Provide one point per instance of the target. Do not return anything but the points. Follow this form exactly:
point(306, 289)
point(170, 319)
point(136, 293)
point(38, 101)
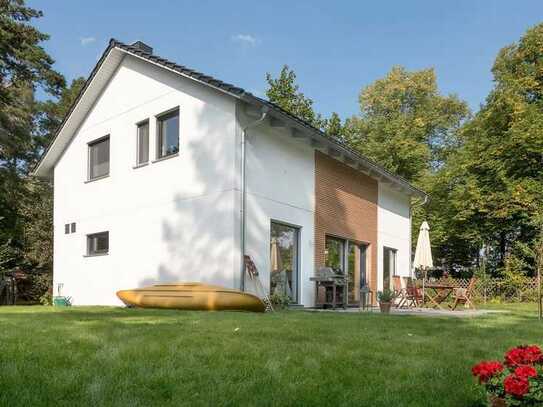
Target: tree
point(285, 93)
point(36, 205)
point(405, 124)
point(24, 67)
point(491, 188)
point(333, 127)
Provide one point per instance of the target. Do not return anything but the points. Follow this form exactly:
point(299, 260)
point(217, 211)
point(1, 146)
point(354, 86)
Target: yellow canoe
point(191, 296)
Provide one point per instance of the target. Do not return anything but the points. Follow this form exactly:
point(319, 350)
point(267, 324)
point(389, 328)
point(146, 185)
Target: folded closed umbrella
point(423, 253)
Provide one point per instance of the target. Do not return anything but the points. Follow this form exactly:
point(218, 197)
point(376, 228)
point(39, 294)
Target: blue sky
point(335, 47)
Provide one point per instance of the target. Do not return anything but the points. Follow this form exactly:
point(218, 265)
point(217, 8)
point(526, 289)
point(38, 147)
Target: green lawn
point(113, 356)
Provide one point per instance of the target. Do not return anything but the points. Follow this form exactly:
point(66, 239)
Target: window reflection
point(284, 261)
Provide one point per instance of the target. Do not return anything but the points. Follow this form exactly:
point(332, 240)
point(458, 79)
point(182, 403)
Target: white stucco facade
point(393, 230)
point(178, 219)
point(172, 220)
point(280, 188)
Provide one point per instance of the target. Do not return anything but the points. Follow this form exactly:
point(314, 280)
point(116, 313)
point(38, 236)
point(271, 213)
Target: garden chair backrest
point(397, 283)
point(471, 286)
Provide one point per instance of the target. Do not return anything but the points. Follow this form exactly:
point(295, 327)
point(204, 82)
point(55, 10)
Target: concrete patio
point(427, 312)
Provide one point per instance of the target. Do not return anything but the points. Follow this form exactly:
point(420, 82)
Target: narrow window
point(73, 227)
point(66, 228)
point(389, 266)
point(98, 243)
point(143, 143)
point(99, 158)
point(168, 134)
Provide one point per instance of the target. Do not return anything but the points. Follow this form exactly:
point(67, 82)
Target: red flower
point(526, 371)
point(523, 355)
point(516, 386)
point(485, 370)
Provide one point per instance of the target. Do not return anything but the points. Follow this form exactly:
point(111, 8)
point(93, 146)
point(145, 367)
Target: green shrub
point(386, 295)
point(280, 300)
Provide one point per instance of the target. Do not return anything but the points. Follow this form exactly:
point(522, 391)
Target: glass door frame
point(297, 256)
point(363, 266)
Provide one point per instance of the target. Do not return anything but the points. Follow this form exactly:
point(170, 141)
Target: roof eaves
point(238, 93)
point(110, 46)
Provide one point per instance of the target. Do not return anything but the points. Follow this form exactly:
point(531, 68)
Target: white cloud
point(246, 39)
point(87, 40)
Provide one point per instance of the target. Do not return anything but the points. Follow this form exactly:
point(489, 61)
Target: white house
point(164, 174)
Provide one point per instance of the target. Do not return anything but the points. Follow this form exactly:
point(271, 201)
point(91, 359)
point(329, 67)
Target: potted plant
point(385, 298)
point(518, 381)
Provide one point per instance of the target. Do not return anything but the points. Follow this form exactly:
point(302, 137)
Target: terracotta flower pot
point(385, 307)
point(496, 401)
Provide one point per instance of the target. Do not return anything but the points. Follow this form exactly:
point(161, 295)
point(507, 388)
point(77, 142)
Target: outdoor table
point(442, 291)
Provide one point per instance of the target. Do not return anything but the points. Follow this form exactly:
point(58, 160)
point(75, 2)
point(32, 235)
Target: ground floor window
point(348, 257)
point(389, 266)
point(98, 243)
point(284, 260)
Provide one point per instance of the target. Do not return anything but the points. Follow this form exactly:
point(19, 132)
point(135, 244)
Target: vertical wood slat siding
point(345, 206)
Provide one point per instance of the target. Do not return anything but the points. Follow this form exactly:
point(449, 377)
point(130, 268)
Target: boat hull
point(191, 296)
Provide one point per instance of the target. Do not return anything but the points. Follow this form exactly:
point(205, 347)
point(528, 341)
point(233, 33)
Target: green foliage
point(279, 300)
point(24, 66)
point(40, 288)
point(334, 128)
point(405, 124)
point(285, 93)
point(387, 295)
point(490, 191)
point(7, 256)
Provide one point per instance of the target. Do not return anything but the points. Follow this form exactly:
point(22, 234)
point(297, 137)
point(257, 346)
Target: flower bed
point(518, 381)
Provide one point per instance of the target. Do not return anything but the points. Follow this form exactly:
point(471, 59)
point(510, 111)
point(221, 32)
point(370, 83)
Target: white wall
point(171, 220)
point(393, 230)
point(281, 187)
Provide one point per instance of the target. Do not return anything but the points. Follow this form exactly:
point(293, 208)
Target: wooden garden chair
point(413, 294)
point(463, 295)
point(399, 292)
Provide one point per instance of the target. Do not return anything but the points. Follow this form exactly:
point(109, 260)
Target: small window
point(168, 134)
point(72, 226)
point(143, 143)
point(66, 228)
point(98, 243)
point(99, 158)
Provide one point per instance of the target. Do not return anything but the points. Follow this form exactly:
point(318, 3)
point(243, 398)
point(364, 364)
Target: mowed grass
point(98, 356)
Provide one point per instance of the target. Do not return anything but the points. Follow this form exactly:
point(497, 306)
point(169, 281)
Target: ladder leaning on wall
point(250, 267)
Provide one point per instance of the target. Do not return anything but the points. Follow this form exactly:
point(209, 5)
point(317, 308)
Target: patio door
point(356, 270)
point(347, 257)
point(284, 260)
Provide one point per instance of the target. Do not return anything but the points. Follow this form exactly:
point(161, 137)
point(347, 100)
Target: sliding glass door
point(284, 261)
point(347, 257)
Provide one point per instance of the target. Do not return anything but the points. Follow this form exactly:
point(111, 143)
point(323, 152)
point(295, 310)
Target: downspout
point(243, 191)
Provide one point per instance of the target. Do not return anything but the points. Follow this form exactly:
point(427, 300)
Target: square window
point(72, 227)
point(98, 243)
point(168, 134)
point(66, 228)
point(142, 143)
point(99, 158)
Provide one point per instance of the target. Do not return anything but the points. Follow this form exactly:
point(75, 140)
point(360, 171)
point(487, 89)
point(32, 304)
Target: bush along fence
point(518, 289)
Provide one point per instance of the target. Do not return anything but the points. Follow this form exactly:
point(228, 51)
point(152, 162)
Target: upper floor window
point(168, 134)
point(99, 158)
point(143, 143)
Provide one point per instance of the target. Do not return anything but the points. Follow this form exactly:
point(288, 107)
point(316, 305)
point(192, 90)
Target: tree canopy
point(490, 191)
point(405, 124)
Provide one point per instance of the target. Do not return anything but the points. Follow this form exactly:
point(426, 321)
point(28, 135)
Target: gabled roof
point(111, 59)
